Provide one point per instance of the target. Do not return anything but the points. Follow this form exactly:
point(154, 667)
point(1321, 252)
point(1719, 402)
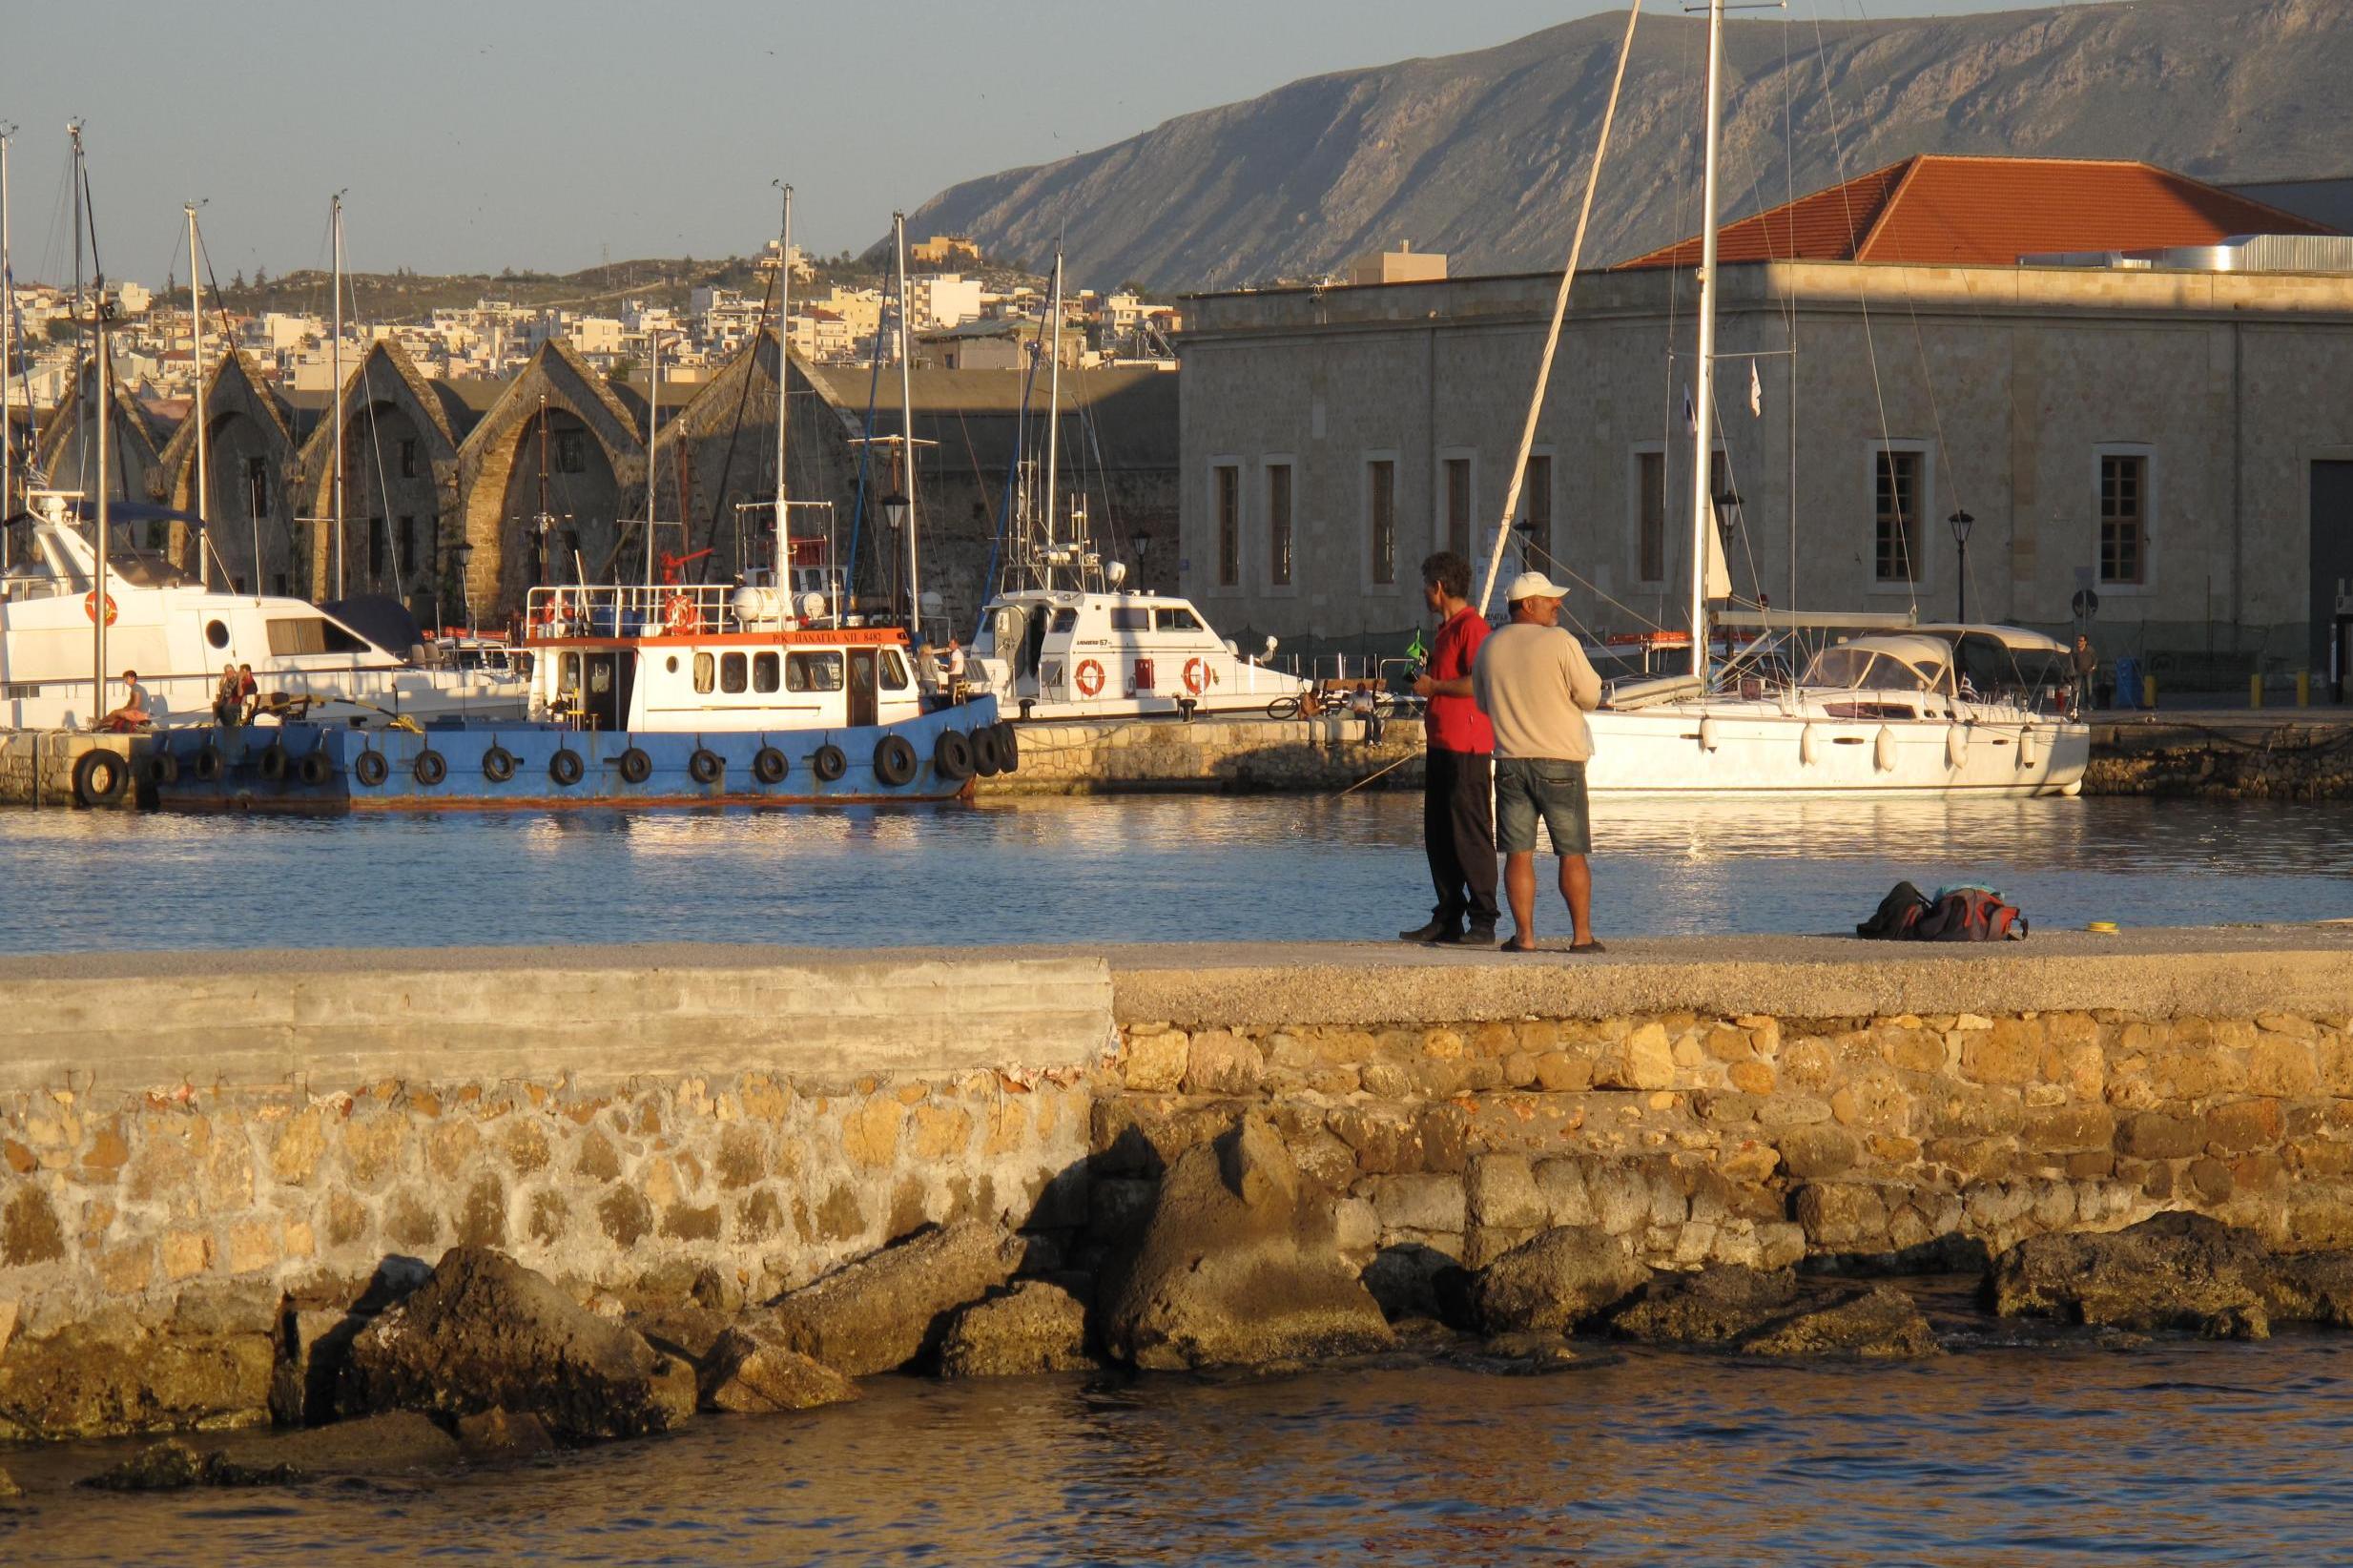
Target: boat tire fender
point(705, 766)
point(158, 766)
point(430, 768)
point(273, 763)
point(987, 761)
point(952, 756)
point(314, 770)
point(211, 764)
point(829, 763)
point(369, 768)
point(636, 766)
point(99, 778)
point(1008, 746)
point(565, 766)
point(498, 764)
point(895, 761)
point(770, 766)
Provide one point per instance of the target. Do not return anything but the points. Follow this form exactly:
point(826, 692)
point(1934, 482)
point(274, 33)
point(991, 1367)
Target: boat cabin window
point(894, 672)
point(1130, 618)
point(765, 668)
point(812, 672)
point(1066, 620)
point(705, 673)
point(298, 634)
point(216, 633)
point(1859, 668)
point(568, 674)
point(1175, 618)
point(600, 677)
point(734, 673)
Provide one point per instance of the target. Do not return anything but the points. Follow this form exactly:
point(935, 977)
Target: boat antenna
point(783, 575)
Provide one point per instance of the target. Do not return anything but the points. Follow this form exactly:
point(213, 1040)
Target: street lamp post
point(1962, 522)
point(462, 556)
point(895, 514)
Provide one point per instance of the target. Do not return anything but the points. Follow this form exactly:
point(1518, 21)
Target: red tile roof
point(1988, 212)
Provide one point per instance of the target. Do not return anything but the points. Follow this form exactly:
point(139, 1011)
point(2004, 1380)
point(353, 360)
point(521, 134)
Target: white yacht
point(179, 636)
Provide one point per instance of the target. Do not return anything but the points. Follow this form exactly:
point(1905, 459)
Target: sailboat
point(1898, 708)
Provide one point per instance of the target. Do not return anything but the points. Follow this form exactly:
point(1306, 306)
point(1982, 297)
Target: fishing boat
point(1064, 637)
point(1813, 702)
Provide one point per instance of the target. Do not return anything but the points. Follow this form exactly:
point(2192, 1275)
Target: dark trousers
point(1458, 830)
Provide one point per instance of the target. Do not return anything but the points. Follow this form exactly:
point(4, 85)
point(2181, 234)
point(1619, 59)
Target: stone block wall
point(36, 766)
point(1244, 753)
point(1759, 1140)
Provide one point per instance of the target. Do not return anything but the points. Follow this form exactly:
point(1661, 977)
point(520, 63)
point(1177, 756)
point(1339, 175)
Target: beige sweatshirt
point(1536, 685)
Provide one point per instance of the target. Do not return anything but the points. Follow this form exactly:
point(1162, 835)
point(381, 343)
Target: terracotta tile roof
point(1988, 212)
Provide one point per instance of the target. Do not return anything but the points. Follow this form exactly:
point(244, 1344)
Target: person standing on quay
point(1535, 683)
point(1457, 820)
point(2086, 663)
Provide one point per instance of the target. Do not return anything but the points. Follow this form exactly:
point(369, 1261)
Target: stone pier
point(193, 1147)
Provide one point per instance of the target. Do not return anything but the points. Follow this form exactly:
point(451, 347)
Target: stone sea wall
point(36, 766)
point(1243, 755)
point(2295, 759)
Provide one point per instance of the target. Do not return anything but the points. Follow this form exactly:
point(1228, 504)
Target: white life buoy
point(1883, 750)
point(1090, 677)
point(679, 616)
point(1196, 675)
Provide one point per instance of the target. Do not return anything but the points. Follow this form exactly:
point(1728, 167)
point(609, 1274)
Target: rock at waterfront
point(1038, 1327)
point(2169, 1271)
point(1528, 1352)
point(889, 1308)
point(750, 1370)
point(484, 1333)
point(398, 1442)
point(110, 1376)
point(1554, 1281)
point(1239, 1265)
point(166, 1466)
point(498, 1437)
point(1706, 1308)
point(1878, 1324)
point(8, 1488)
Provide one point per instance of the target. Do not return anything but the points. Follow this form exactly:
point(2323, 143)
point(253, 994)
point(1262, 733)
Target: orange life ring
point(1196, 675)
point(1090, 677)
point(90, 606)
point(679, 617)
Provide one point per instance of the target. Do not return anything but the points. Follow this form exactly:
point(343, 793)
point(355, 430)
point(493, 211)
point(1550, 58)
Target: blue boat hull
point(324, 771)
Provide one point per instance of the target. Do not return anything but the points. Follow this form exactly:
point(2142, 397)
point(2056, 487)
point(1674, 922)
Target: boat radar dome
point(1116, 572)
point(1269, 647)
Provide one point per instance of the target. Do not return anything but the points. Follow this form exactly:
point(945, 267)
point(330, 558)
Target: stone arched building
point(249, 451)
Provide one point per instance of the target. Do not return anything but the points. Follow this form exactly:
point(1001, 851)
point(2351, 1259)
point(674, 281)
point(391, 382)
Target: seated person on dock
point(133, 713)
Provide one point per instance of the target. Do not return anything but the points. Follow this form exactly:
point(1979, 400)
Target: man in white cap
point(1536, 686)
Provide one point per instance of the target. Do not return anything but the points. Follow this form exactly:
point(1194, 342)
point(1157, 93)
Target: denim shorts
point(1530, 787)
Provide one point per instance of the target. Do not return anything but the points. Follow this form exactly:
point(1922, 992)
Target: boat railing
point(666, 610)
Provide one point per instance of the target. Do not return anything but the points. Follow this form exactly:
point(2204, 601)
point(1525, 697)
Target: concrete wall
point(2009, 382)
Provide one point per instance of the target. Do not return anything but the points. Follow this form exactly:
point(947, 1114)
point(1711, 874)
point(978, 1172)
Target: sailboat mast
point(906, 431)
point(98, 599)
point(653, 435)
point(784, 406)
point(1703, 410)
point(1053, 406)
point(336, 356)
point(8, 347)
point(82, 389)
point(195, 341)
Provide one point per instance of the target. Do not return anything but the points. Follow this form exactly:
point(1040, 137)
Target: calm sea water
point(2182, 1452)
point(1113, 869)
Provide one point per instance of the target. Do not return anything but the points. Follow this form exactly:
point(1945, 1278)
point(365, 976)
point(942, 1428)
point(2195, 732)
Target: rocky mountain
point(1484, 155)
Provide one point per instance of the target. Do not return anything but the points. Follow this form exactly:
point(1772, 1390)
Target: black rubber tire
point(498, 764)
point(770, 766)
point(273, 760)
point(895, 761)
point(99, 778)
point(314, 770)
point(430, 768)
point(705, 766)
point(829, 763)
point(985, 760)
point(636, 766)
point(952, 756)
point(566, 767)
point(369, 768)
point(1008, 746)
point(1283, 707)
point(158, 768)
point(211, 764)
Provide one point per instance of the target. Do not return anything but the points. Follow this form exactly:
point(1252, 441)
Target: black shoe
point(1479, 935)
point(1438, 930)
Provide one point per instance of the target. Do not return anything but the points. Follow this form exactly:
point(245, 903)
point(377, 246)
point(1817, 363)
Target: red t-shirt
point(1455, 723)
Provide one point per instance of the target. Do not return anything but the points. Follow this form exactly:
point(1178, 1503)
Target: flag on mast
point(1691, 412)
point(1756, 390)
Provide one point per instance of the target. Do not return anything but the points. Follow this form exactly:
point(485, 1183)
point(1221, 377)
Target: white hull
point(1759, 747)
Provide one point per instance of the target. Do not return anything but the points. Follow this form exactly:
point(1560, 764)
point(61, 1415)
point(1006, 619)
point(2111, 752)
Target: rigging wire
point(727, 463)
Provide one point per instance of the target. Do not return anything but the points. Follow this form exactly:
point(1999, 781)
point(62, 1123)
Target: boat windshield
point(1856, 669)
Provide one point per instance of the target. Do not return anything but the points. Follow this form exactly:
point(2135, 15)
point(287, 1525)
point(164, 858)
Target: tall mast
point(653, 434)
point(1053, 406)
point(8, 346)
point(906, 429)
point(204, 485)
point(784, 376)
point(1703, 413)
point(81, 387)
point(539, 523)
point(336, 353)
point(98, 600)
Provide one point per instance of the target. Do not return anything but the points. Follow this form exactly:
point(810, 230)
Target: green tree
point(622, 368)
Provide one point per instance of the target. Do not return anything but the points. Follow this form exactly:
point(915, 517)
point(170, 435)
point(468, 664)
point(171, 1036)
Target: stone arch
point(135, 447)
point(249, 451)
point(400, 478)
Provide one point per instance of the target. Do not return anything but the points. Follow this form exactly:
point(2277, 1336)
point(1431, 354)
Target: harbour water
point(2180, 1451)
point(1116, 869)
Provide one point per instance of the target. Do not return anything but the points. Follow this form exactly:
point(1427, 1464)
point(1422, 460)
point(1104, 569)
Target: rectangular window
point(706, 672)
point(572, 454)
point(1228, 500)
point(1895, 529)
point(734, 673)
point(1170, 619)
point(409, 547)
point(812, 672)
point(1458, 506)
point(766, 671)
point(258, 486)
point(298, 634)
point(1278, 525)
point(895, 676)
point(1381, 520)
point(375, 534)
point(1130, 618)
point(408, 456)
point(2123, 519)
point(1650, 547)
point(1536, 509)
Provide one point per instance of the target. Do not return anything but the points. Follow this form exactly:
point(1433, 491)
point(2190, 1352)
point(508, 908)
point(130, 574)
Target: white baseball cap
point(1534, 585)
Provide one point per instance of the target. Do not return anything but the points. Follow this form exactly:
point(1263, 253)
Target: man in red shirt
point(1457, 812)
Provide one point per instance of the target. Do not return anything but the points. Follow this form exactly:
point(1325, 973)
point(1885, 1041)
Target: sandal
point(1510, 944)
point(1587, 947)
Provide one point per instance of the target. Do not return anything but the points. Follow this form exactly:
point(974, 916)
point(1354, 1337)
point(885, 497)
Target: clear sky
point(549, 134)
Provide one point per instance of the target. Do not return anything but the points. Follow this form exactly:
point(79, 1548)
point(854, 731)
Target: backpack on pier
point(1964, 913)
